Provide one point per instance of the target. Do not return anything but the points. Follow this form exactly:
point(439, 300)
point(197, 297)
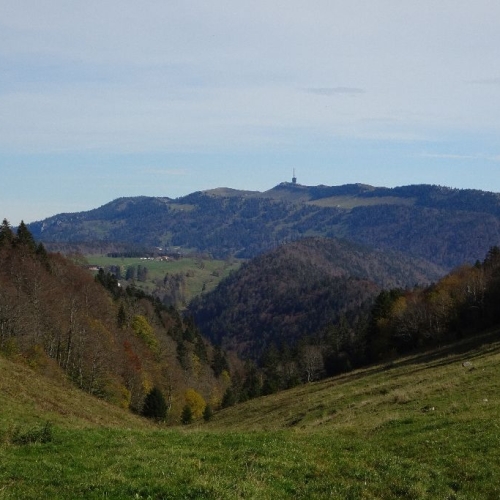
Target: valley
point(306, 342)
point(176, 280)
point(421, 427)
point(249, 250)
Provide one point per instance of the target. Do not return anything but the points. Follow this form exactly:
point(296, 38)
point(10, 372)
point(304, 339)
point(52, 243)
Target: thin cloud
point(485, 81)
point(448, 156)
point(451, 156)
point(165, 171)
point(330, 91)
point(171, 97)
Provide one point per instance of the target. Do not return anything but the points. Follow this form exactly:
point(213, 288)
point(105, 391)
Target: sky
point(112, 98)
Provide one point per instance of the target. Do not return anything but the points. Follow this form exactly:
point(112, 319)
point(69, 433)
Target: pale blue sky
point(103, 99)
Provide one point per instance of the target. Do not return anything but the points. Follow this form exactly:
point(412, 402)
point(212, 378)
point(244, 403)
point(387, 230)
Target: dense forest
point(298, 289)
point(303, 312)
point(120, 345)
point(447, 227)
point(307, 309)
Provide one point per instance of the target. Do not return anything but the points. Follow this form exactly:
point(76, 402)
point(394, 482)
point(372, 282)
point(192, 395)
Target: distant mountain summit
point(445, 226)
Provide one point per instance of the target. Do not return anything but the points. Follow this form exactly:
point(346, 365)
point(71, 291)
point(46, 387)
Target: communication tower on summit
point(294, 179)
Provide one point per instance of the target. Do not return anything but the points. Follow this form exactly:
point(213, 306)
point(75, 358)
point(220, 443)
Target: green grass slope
point(421, 427)
point(28, 399)
point(454, 383)
point(199, 275)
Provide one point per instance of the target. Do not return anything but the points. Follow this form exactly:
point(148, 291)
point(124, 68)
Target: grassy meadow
point(200, 274)
point(426, 426)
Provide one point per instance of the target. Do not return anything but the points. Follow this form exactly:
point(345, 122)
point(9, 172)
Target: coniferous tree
point(219, 362)
point(229, 398)
point(142, 273)
point(43, 256)
point(182, 354)
point(187, 415)
point(492, 257)
point(130, 273)
point(109, 281)
point(122, 317)
point(6, 233)
point(200, 349)
point(25, 238)
point(252, 386)
point(155, 406)
point(208, 413)
point(40, 251)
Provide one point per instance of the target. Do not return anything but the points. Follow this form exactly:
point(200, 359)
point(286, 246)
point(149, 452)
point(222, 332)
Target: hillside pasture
point(421, 427)
point(200, 274)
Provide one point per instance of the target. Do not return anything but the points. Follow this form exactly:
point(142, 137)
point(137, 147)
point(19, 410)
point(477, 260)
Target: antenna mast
point(294, 179)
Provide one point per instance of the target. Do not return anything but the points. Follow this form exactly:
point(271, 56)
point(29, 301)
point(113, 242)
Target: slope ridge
point(300, 289)
point(28, 397)
point(445, 226)
point(454, 381)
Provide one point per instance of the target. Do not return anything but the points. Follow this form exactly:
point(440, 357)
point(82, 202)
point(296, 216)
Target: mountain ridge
point(443, 225)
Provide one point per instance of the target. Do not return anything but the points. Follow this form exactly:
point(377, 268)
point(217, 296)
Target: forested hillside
point(119, 345)
point(300, 309)
point(462, 303)
point(300, 289)
point(445, 226)
point(318, 307)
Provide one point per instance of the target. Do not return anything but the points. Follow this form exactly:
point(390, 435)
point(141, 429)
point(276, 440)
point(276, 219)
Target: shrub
point(195, 402)
point(36, 435)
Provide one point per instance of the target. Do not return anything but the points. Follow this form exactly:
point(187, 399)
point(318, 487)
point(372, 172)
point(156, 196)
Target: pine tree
point(186, 415)
point(208, 413)
point(6, 234)
point(25, 238)
point(155, 406)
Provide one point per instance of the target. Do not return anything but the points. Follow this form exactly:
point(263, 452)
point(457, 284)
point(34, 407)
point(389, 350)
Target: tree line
point(397, 321)
point(120, 344)
point(117, 344)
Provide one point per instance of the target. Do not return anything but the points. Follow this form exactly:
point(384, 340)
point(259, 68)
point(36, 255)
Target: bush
point(195, 402)
point(36, 435)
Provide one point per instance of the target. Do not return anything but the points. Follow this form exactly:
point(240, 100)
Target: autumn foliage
point(299, 318)
point(115, 344)
point(462, 303)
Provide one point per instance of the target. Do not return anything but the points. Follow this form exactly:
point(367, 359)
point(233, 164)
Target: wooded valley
point(301, 312)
